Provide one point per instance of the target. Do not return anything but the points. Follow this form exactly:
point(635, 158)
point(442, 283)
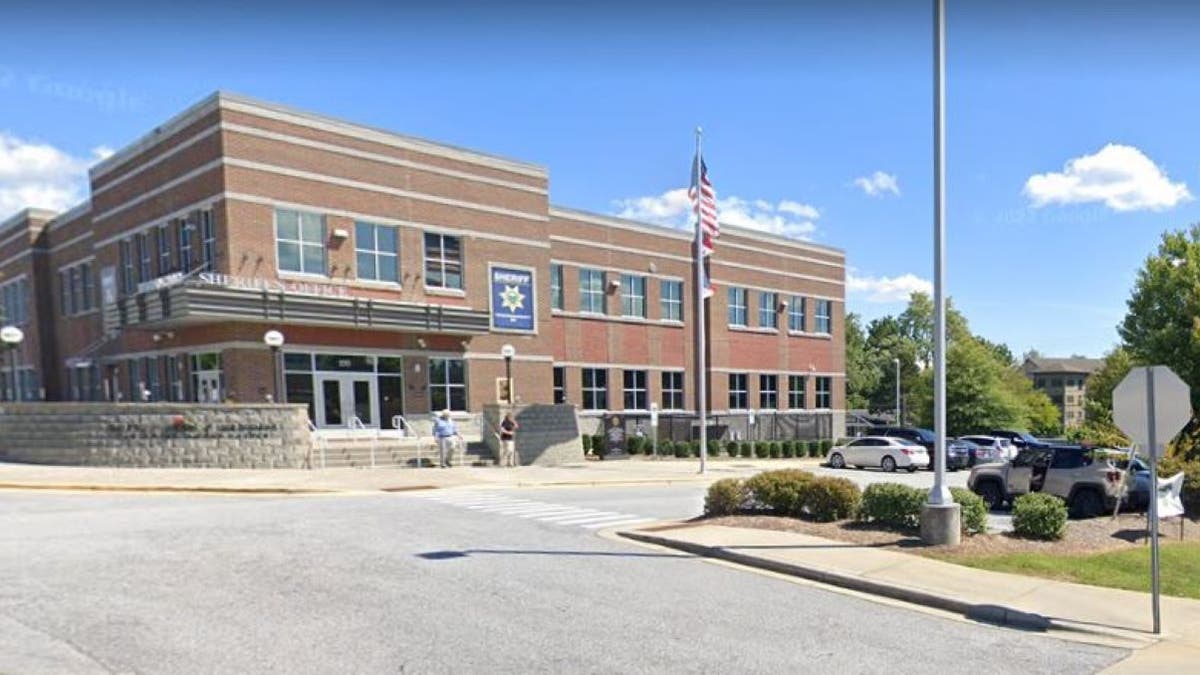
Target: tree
point(977, 397)
point(1000, 350)
point(1100, 385)
point(1162, 325)
point(862, 370)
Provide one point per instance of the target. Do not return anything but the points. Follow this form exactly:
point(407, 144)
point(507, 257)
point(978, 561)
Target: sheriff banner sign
point(512, 299)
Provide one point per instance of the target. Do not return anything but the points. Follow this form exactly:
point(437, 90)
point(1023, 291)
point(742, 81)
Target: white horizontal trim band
point(203, 168)
point(621, 249)
point(72, 241)
point(145, 166)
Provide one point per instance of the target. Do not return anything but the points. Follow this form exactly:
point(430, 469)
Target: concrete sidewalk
point(1071, 611)
point(300, 481)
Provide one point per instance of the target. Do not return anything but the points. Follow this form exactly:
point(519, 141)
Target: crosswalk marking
point(546, 512)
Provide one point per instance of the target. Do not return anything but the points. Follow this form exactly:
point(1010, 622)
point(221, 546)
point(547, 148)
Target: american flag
point(704, 204)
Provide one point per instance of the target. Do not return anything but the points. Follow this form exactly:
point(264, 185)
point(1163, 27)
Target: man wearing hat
point(444, 431)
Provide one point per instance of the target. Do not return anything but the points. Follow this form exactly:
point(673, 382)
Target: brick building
point(1064, 380)
point(396, 268)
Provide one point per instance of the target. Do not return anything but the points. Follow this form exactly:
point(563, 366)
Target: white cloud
point(886, 289)
point(788, 218)
point(1120, 176)
point(878, 183)
point(34, 174)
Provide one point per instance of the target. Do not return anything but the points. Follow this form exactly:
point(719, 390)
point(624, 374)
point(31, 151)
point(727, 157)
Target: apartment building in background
point(396, 268)
point(1064, 380)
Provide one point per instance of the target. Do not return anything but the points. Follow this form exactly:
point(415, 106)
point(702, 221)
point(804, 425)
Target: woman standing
point(508, 440)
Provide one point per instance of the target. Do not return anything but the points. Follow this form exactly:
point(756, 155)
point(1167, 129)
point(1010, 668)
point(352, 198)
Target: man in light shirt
point(445, 432)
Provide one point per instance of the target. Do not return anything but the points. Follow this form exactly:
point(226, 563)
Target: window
point(1041, 383)
point(14, 309)
point(595, 389)
point(126, 254)
point(183, 231)
point(144, 256)
point(766, 310)
point(824, 393)
point(153, 381)
point(796, 387)
point(299, 242)
point(560, 384)
point(73, 290)
point(556, 286)
point(591, 291)
point(162, 236)
point(174, 384)
point(671, 294)
point(633, 296)
point(738, 397)
point(135, 380)
point(796, 314)
point(737, 306)
point(672, 391)
point(377, 252)
point(443, 261)
point(635, 390)
point(447, 384)
point(63, 300)
point(768, 391)
point(208, 240)
point(824, 317)
point(86, 291)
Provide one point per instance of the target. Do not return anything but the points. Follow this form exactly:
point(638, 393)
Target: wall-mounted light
point(341, 233)
point(421, 343)
point(782, 306)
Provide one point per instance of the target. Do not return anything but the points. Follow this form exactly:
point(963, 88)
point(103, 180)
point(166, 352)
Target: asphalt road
point(448, 581)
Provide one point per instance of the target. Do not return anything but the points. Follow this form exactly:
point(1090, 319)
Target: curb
point(164, 488)
point(992, 614)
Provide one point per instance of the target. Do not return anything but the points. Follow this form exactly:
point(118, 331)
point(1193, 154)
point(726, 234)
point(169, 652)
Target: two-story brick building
point(396, 268)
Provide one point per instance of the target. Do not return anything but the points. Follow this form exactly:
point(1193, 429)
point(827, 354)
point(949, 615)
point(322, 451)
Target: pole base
point(941, 524)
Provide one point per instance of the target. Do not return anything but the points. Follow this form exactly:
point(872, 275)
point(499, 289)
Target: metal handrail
point(356, 424)
point(318, 441)
point(406, 430)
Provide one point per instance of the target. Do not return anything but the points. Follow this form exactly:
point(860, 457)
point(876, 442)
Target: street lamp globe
point(11, 336)
point(508, 351)
point(273, 339)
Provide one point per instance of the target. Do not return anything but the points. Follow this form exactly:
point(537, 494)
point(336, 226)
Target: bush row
point(799, 494)
point(761, 449)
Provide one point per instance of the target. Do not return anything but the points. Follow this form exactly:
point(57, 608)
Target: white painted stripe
point(618, 523)
point(590, 513)
point(540, 510)
point(478, 500)
point(492, 506)
point(560, 511)
point(600, 515)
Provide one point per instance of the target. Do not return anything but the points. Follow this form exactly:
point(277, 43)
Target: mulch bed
point(1083, 536)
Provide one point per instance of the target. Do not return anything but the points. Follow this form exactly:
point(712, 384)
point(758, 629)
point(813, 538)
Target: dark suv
point(1020, 439)
point(958, 457)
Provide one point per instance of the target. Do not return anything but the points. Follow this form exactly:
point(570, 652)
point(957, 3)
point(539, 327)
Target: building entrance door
point(208, 386)
point(342, 397)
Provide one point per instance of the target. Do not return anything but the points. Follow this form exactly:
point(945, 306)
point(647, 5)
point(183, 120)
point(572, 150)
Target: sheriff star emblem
point(512, 299)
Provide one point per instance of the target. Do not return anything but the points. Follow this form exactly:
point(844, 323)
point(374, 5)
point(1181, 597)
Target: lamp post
point(12, 336)
point(897, 362)
point(508, 352)
point(274, 340)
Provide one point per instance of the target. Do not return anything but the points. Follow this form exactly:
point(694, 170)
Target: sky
point(1071, 134)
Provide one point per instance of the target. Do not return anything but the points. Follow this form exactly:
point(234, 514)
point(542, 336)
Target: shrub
point(818, 449)
point(1169, 466)
point(633, 445)
point(1039, 516)
point(682, 449)
point(827, 499)
point(782, 491)
point(789, 449)
point(892, 505)
point(774, 450)
point(587, 443)
point(746, 449)
point(974, 511)
point(694, 446)
point(732, 449)
point(726, 497)
point(825, 446)
point(599, 445)
point(761, 449)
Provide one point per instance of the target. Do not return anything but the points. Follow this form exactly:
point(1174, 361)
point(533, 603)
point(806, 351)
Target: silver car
point(886, 452)
point(990, 449)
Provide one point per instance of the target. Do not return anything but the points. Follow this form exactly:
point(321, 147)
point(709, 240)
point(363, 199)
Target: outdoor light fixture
point(508, 352)
point(12, 337)
point(274, 340)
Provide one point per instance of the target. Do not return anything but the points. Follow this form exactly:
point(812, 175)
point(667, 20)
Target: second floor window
point(766, 310)
point(144, 255)
point(163, 240)
point(128, 285)
point(737, 307)
point(443, 261)
point(824, 317)
point(556, 286)
point(671, 296)
point(14, 308)
point(796, 314)
point(184, 229)
point(376, 252)
point(208, 240)
point(299, 239)
point(591, 291)
point(633, 296)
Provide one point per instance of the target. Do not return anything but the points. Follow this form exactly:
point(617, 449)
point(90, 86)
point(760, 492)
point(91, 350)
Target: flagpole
point(701, 361)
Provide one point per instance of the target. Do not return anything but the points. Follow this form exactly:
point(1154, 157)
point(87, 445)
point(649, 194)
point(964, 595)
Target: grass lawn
point(1179, 565)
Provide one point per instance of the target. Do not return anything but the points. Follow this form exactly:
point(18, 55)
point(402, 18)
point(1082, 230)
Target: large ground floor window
point(447, 384)
point(340, 387)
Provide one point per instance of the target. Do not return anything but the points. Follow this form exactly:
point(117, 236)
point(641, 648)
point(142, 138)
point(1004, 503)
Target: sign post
point(654, 428)
point(1152, 405)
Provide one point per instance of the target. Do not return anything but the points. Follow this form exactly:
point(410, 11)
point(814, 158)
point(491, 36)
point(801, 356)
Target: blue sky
point(808, 109)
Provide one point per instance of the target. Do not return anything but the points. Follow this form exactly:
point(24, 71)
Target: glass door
point(343, 397)
point(329, 408)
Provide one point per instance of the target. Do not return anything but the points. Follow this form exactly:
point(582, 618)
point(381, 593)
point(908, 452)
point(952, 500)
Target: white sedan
point(885, 452)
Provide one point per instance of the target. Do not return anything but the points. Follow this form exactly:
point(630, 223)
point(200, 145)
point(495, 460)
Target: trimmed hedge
point(633, 445)
point(1039, 516)
point(747, 449)
point(789, 449)
point(762, 449)
point(892, 505)
point(774, 449)
point(682, 450)
point(587, 443)
point(599, 446)
point(732, 449)
point(827, 499)
point(826, 446)
point(695, 448)
point(974, 511)
point(781, 491)
point(726, 497)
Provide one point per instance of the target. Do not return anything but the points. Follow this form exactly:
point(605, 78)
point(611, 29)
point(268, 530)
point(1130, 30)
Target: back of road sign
point(1152, 400)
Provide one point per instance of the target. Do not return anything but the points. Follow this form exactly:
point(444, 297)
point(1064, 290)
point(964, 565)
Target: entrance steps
point(394, 452)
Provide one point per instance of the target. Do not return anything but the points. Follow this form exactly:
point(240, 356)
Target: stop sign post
point(1152, 405)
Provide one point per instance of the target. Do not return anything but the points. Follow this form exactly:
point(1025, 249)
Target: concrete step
point(393, 454)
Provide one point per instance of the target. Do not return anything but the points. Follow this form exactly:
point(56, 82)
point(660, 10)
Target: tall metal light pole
point(941, 518)
point(508, 352)
point(12, 336)
point(898, 420)
point(274, 340)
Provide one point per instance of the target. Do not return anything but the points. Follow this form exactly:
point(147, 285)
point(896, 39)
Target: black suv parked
point(958, 458)
point(1020, 439)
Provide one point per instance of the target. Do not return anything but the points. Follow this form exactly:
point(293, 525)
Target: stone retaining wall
point(250, 436)
point(549, 434)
